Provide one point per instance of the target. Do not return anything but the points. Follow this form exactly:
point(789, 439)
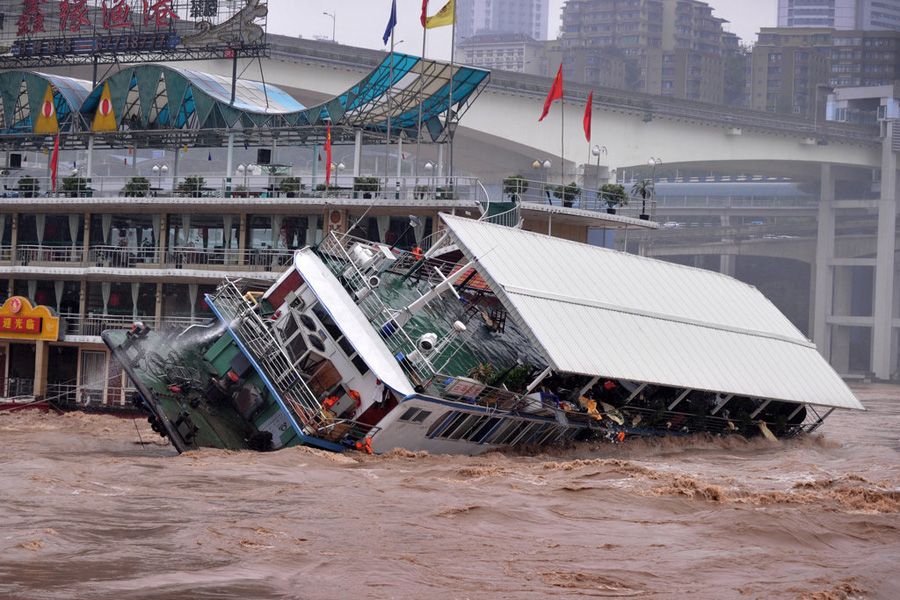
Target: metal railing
point(408, 189)
point(258, 338)
point(29, 253)
point(6, 253)
point(268, 258)
point(94, 324)
point(543, 192)
point(485, 395)
point(16, 387)
point(123, 256)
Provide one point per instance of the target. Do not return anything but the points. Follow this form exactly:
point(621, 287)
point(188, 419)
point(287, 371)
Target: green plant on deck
point(484, 373)
point(614, 195)
point(28, 187)
point(515, 187)
point(192, 186)
point(136, 187)
point(290, 186)
point(567, 193)
point(643, 188)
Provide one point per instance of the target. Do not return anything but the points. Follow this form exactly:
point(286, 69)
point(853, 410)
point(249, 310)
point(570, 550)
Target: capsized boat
point(494, 338)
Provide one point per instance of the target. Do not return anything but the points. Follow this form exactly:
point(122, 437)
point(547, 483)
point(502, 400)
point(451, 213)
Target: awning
point(604, 313)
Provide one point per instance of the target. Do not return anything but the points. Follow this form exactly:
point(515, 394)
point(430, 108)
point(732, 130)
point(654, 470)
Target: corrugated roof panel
point(605, 313)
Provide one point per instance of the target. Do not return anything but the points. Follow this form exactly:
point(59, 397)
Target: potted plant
point(240, 191)
point(644, 189)
point(75, 187)
point(290, 186)
point(366, 185)
point(137, 187)
point(421, 192)
point(614, 195)
point(567, 193)
point(192, 186)
point(28, 187)
point(515, 187)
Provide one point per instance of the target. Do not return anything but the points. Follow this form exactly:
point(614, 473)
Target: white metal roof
point(605, 313)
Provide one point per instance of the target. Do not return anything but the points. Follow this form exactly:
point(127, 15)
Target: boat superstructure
point(494, 338)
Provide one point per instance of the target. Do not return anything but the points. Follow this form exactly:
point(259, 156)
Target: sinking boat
point(495, 338)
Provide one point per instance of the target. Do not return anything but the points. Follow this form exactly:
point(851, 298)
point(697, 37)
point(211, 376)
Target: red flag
point(328, 156)
point(556, 93)
point(54, 163)
point(588, 113)
point(424, 13)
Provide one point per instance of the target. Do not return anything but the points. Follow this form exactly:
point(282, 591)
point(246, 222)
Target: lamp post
point(333, 16)
point(653, 162)
point(159, 171)
point(543, 167)
point(429, 168)
point(597, 151)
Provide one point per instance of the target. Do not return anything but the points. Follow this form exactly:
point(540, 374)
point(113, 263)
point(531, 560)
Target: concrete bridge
point(501, 135)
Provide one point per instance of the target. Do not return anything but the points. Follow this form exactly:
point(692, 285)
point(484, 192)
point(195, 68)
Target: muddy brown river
point(88, 512)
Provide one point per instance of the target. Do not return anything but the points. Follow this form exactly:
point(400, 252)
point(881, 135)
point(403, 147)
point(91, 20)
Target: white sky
point(362, 22)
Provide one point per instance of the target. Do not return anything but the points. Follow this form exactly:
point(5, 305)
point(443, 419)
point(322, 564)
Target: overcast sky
point(362, 22)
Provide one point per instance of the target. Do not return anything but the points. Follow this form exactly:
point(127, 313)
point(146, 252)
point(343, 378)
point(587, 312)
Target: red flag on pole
point(54, 163)
point(424, 13)
point(556, 93)
point(328, 156)
point(588, 113)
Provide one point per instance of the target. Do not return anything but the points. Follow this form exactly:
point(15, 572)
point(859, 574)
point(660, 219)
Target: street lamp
point(333, 23)
point(159, 171)
point(543, 167)
point(597, 151)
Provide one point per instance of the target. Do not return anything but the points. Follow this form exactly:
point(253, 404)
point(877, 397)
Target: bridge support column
point(842, 295)
point(823, 271)
point(357, 154)
point(727, 262)
point(882, 333)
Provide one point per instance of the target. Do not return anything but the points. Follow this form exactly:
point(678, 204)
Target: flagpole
point(387, 148)
point(562, 153)
point(421, 90)
point(450, 107)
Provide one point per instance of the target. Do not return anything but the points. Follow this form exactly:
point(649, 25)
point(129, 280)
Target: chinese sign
point(20, 320)
point(60, 28)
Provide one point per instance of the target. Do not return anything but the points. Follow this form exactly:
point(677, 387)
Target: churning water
point(88, 512)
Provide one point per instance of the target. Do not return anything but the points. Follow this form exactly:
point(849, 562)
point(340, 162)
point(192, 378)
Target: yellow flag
point(445, 16)
point(105, 117)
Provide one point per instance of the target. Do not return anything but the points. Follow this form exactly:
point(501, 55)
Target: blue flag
point(392, 22)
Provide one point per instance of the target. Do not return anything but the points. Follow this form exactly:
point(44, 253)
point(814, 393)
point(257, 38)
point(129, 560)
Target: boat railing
point(335, 251)
point(257, 337)
point(475, 392)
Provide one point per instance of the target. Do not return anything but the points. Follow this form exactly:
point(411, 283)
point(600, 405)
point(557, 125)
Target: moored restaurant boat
point(494, 338)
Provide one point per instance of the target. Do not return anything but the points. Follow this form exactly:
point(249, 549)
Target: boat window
point(409, 414)
point(420, 418)
point(346, 346)
point(308, 322)
point(360, 365)
point(297, 347)
point(327, 322)
point(464, 427)
point(458, 419)
point(439, 423)
point(316, 342)
point(480, 433)
point(288, 327)
point(522, 433)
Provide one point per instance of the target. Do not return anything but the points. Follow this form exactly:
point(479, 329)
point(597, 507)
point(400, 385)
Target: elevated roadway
point(500, 134)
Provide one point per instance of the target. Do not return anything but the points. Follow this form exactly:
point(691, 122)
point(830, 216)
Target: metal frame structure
point(164, 106)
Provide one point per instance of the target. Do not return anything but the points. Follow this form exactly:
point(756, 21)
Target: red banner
point(20, 324)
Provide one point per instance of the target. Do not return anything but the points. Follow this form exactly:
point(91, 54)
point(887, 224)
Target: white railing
point(542, 192)
point(219, 185)
point(6, 253)
point(266, 258)
point(94, 324)
point(123, 256)
point(29, 253)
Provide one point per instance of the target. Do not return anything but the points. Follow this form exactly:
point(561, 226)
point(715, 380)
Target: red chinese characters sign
point(20, 325)
point(72, 15)
point(32, 19)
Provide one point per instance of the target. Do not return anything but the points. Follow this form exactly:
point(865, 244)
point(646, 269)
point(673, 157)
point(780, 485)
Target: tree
point(515, 187)
point(567, 193)
point(192, 186)
point(137, 187)
point(613, 194)
point(644, 189)
point(28, 187)
point(736, 67)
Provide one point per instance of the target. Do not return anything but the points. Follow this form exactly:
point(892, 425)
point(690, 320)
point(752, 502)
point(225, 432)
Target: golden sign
point(20, 320)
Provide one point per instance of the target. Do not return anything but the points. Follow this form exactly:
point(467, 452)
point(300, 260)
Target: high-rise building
point(514, 52)
point(865, 58)
point(790, 65)
point(864, 15)
point(528, 17)
point(670, 47)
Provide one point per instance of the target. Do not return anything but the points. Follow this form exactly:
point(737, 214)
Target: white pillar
point(357, 154)
point(229, 162)
point(823, 273)
point(840, 336)
point(399, 157)
point(90, 157)
point(884, 258)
